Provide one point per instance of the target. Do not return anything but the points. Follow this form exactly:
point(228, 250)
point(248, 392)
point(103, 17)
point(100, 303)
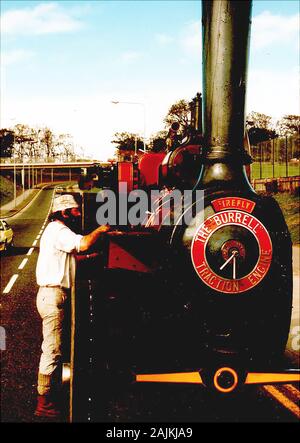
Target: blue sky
point(63, 62)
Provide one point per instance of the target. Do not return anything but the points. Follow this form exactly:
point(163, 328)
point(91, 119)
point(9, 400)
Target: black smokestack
point(226, 31)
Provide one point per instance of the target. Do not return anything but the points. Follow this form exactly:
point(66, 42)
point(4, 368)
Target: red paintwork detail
point(207, 275)
point(119, 258)
point(149, 168)
point(181, 152)
point(243, 204)
point(125, 175)
point(174, 160)
point(165, 165)
point(230, 245)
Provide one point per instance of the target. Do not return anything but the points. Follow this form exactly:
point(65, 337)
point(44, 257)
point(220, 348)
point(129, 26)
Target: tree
point(259, 128)
point(179, 112)
point(159, 141)
point(6, 142)
point(64, 145)
point(127, 141)
point(288, 125)
point(47, 143)
point(25, 144)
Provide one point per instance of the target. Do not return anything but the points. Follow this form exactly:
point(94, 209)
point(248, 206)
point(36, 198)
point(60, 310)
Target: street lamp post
point(117, 102)
point(15, 172)
point(23, 176)
point(15, 176)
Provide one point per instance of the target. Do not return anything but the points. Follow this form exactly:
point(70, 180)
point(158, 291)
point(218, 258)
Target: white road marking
point(10, 283)
point(23, 263)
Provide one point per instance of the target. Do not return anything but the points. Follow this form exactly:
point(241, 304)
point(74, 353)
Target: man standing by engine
point(55, 275)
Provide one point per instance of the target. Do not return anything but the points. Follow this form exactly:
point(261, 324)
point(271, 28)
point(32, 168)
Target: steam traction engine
point(206, 301)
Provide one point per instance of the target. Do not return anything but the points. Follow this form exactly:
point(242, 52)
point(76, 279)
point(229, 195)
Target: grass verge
point(290, 206)
point(7, 190)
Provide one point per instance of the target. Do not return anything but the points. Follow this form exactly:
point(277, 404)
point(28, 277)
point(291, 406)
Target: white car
point(6, 236)
point(59, 189)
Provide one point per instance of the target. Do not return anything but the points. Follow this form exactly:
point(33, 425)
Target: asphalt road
point(139, 403)
point(19, 317)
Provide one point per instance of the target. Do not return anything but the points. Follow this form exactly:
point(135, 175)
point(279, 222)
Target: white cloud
point(16, 56)
point(163, 39)
point(190, 38)
point(91, 120)
point(273, 92)
point(44, 18)
point(268, 29)
point(130, 56)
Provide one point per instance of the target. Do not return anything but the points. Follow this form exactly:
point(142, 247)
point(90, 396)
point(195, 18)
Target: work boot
point(47, 407)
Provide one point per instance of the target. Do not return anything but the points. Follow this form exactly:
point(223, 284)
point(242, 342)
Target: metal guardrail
point(49, 165)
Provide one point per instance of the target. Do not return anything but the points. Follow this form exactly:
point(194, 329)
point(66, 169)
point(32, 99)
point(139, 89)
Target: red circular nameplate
point(199, 244)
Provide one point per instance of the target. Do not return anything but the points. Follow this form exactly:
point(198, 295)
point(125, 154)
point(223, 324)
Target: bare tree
point(31, 144)
point(25, 144)
point(64, 147)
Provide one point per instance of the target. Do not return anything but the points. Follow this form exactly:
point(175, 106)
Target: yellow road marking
point(288, 404)
point(293, 390)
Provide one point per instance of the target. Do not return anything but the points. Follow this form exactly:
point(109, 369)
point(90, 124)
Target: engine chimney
point(226, 30)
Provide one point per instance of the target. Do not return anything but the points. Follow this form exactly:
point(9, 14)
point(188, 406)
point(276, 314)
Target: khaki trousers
point(50, 305)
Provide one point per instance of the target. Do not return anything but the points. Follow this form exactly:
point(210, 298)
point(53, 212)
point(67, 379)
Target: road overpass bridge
point(28, 175)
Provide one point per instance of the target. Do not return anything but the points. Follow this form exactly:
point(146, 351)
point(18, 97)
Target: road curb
point(21, 206)
point(30, 199)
